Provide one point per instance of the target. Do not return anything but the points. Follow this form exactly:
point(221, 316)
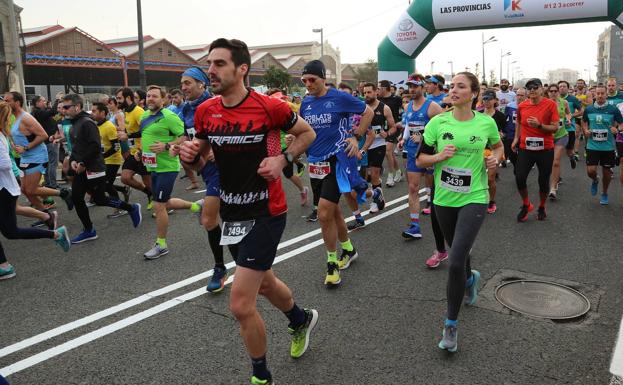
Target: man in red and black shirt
point(537, 121)
point(242, 127)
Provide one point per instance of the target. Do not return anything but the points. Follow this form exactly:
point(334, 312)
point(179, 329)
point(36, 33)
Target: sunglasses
point(445, 105)
point(308, 80)
point(532, 88)
point(68, 106)
point(553, 90)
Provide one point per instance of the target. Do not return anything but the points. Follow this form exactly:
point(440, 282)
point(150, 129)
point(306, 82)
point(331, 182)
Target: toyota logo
point(405, 25)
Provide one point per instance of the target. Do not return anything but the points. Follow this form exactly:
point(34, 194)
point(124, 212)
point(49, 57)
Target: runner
point(28, 139)
point(576, 109)
point(46, 116)
point(505, 95)
point(327, 111)
point(9, 192)
point(600, 123)
point(434, 88)
point(418, 113)
point(537, 121)
point(87, 163)
point(454, 142)
point(253, 202)
point(161, 128)
point(177, 100)
point(586, 98)
point(491, 104)
point(394, 174)
point(509, 129)
point(561, 138)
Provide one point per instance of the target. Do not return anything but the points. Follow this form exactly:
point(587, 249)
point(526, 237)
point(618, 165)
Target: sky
point(356, 27)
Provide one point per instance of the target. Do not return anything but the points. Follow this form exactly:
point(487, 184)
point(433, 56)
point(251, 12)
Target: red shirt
point(241, 137)
point(546, 112)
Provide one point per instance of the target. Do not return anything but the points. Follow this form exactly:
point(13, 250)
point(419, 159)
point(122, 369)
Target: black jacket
point(45, 117)
point(86, 142)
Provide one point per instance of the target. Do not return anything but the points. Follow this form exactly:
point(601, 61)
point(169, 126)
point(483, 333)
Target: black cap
point(534, 81)
point(315, 67)
point(489, 95)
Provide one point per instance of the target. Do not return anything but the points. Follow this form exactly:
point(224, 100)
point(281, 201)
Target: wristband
point(197, 157)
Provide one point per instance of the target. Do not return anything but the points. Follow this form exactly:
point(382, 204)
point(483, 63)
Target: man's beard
point(370, 101)
point(504, 88)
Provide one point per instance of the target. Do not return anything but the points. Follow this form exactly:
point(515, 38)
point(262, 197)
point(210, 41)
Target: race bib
point(319, 170)
point(149, 159)
point(417, 130)
point(95, 175)
point(23, 165)
point(377, 130)
point(131, 142)
point(117, 146)
point(456, 179)
point(561, 123)
point(191, 132)
point(599, 135)
point(234, 232)
point(535, 144)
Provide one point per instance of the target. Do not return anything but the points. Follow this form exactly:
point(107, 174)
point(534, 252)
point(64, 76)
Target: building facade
point(569, 75)
point(610, 54)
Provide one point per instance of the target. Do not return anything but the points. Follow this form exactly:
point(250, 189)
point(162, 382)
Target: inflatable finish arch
point(419, 24)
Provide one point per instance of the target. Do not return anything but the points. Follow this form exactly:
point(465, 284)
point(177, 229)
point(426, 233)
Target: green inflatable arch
point(419, 24)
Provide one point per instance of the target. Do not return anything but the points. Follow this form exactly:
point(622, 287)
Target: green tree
point(492, 78)
point(277, 78)
point(368, 72)
point(477, 71)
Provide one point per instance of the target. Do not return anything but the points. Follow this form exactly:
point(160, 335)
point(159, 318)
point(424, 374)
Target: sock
point(332, 256)
point(542, 203)
point(347, 245)
point(526, 201)
point(260, 368)
point(162, 242)
point(357, 215)
point(195, 207)
point(147, 191)
point(214, 238)
point(469, 282)
point(390, 175)
point(450, 322)
point(415, 218)
point(296, 315)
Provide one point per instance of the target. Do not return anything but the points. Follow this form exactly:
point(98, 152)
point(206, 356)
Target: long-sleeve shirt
point(86, 142)
point(7, 179)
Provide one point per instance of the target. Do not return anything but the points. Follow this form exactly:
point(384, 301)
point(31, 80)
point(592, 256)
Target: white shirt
point(505, 98)
point(7, 179)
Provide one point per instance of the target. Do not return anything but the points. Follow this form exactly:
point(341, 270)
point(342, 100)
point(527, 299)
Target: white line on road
point(121, 324)
point(616, 366)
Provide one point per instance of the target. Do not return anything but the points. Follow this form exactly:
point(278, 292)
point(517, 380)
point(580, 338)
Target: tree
point(477, 70)
point(492, 79)
point(277, 78)
point(368, 72)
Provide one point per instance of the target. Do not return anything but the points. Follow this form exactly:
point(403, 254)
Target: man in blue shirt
point(576, 109)
point(509, 129)
point(328, 111)
point(434, 86)
point(177, 101)
point(600, 123)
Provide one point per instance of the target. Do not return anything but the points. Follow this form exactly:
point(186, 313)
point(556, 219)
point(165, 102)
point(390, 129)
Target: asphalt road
point(107, 323)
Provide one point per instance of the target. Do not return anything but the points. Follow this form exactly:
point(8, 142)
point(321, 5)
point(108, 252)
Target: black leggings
point(440, 243)
point(526, 159)
point(96, 187)
point(460, 226)
point(8, 223)
point(111, 176)
point(508, 151)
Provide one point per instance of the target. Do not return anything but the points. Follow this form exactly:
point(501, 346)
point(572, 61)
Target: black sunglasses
point(68, 106)
point(445, 105)
point(532, 88)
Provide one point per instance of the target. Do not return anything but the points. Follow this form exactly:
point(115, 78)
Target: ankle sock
point(214, 239)
point(347, 245)
point(450, 322)
point(415, 218)
point(162, 242)
point(260, 368)
point(332, 256)
point(296, 315)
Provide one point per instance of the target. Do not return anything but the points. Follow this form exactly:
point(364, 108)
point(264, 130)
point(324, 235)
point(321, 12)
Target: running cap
point(534, 82)
point(431, 79)
point(197, 74)
point(489, 95)
point(415, 79)
point(315, 67)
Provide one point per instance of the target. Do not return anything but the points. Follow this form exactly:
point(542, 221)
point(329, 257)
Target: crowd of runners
point(448, 139)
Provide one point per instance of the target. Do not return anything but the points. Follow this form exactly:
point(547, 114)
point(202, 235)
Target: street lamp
point(502, 56)
point(142, 77)
point(489, 40)
point(320, 31)
point(511, 73)
point(432, 64)
point(451, 68)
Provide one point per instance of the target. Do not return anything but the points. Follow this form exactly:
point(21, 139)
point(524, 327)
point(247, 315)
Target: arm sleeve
point(429, 139)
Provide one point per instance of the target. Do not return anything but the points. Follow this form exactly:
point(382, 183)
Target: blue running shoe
point(594, 186)
point(471, 292)
point(84, 236)
point(136, 215)
point(412, 232)
point(63, 238)
point(377, 197)
point(604, 199)
point(7, 273)
point(217, 282)
point(449, 340)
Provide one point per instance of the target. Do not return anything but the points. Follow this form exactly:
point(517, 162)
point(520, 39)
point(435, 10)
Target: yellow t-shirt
point(108, 132)
point(132, 125)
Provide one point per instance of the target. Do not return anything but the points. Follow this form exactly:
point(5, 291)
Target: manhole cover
point(542, 299)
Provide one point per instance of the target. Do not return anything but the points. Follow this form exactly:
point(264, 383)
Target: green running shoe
point(300, 336)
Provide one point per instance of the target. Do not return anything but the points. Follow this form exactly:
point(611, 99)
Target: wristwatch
point(362, 152)
point(167, 146)
point(289, 157)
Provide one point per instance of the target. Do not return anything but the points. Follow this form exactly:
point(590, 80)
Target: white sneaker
point(390, 180)
point(398, 176)
point(374, 208)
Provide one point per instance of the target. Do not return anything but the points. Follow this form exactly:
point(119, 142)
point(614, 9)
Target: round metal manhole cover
point(542, 299)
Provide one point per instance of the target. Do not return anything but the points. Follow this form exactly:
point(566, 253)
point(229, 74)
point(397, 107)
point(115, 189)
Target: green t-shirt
point(164, 127)
point(461, 179)
point(562, 113)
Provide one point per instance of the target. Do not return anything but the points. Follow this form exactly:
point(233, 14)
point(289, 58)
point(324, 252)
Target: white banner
point(407, 34)
point(395, 77)
point(469, 13)
point(620, 18)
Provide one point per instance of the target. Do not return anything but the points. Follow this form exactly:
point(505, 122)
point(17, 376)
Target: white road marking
point(616, 366)
point(121, 324)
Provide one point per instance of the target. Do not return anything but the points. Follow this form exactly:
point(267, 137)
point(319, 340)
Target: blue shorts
point(33, 168)
point(162, 185)
point(211, 179)
point(411, 167)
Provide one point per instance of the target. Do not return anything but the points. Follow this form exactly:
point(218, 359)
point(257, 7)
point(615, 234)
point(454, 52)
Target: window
point(159, 50)
point(170, 52)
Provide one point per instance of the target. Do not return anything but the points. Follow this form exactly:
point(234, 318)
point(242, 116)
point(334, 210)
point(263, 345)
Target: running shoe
point(492, 208)
point(156, 252)
point(523, 212)
point(413, 231)
point(313, 216)
point(594, 186)
point(84, 236)
point(91, 204)
point(7, 273)
point(150, 203)
point(553, 195)
point(217, 282)
point(117, 214)
point(397, 176)
point(333, 274)
point(304, 195)
point(257, 381)
point(573, 159)
point(435, 260)
point(390, 180)
point(449, 340)
point(38, 224)
point(63, 240)
point(300, 335)
point(603, 200)
point(541, 214)
point(358, 224)
point(66, 196)
point(136, 215)
point(374, 208)
point(471, 292)
point(300, 169)
point(427, 209)
point(200, 202)
point(377, 197)
point(346, 259)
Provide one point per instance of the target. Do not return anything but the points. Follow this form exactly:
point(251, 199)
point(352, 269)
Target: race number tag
point(319, 170)
point(191, 132)
point(561, 123)
point(456, 179)
point(95, 175)
point(377, 130)
point(23, 165)
point(416, 130)
point(535, 144)
point(599, 135)
point(131, 142)
point(149, 159)
point(234, 232)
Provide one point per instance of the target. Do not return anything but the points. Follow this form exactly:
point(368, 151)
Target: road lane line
point(616, 366)
point(121, 324)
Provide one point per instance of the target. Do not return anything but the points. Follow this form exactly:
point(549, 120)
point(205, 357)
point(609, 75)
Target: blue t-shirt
point(574, 105)
point(414, 122)
point(600, 119)
point(176, 110)
point(511, 120)
point(329, 117)
point(187, 113)
point(437, 99)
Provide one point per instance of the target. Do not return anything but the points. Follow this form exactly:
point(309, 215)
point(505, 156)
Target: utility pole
point(17, 69)
point(142, 77)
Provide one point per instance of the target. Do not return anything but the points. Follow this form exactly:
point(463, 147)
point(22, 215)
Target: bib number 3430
point(234, 232)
